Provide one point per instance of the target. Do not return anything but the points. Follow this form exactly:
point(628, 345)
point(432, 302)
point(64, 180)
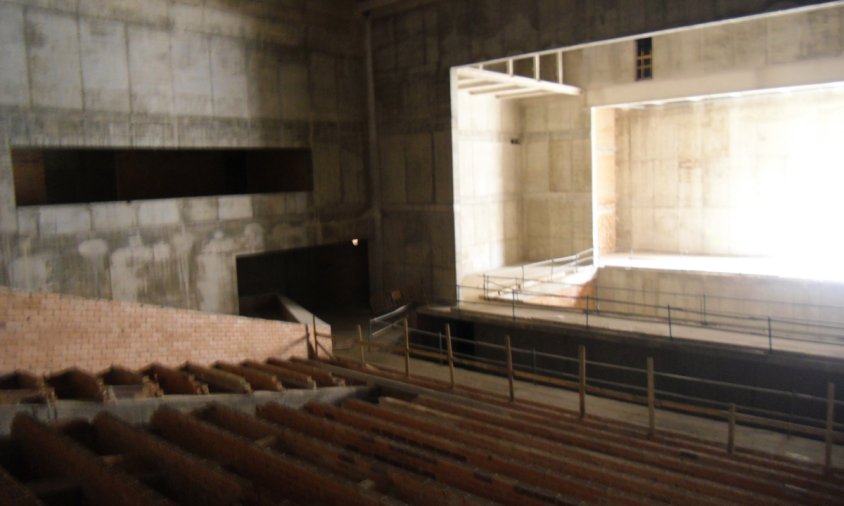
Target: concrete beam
point(524, 82)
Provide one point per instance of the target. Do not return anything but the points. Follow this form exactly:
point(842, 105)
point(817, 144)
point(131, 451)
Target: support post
point(581, 355)
point(731, 429)
point(406, 349)
point(536, 71)
point(560, 67)
point(770, 337)
point(670, 329)
point(308, 342)
point(510, 67)
point(360, 346)
point(450, 354)
point(439, 346)
point(830, 425)
point(587, 311)
point(316, 344)
point(457, 289)
point(510, 367)
point(651, 398)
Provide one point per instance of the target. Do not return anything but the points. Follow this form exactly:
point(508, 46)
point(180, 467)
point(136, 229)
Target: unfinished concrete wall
point(734, 176)
point(488, 183)
point(179, 73)
point(785, 49)
point(413, 51)
point(47, 332)
point(649, 291)
point(556, 178)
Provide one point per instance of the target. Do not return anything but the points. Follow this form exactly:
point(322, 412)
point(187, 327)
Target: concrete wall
point(180, 73)
point(784, 49)
point(523, 180)
point(557, 178)
point(780, 298)
point(735, 176)
point(44, 333)
point(413, 51)
point(488, 183)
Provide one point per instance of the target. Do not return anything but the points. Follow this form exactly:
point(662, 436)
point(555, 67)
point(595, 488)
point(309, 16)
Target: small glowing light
point(355, 242)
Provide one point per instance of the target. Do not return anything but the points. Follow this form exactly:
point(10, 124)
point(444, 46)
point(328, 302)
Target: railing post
point(457, 288)
point(670, 329)
point(830, 425)
point(510, 367)
point(770, 337)
point(406, 349)
point(316, 343)
point(360, 346)
point(514, 303)
point(651, 398)
point(581, 355)
point(587, 311)
point(308, 342)
point(450, 354)
point(486, 283)
point(731, 429)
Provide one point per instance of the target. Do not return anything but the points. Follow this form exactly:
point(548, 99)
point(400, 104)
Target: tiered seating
point(411, 441)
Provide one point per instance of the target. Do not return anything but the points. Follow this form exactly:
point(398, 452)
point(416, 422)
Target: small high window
point(644, 59)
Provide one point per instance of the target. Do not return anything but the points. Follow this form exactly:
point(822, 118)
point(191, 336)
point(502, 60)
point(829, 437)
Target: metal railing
point(556, 267)
point(814, 323)
point(572, 373)
point(776, 330)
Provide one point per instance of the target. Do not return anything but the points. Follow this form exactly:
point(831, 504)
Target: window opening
point(644, 59)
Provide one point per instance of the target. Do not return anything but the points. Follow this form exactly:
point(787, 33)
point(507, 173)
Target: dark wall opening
point(323, 279)
point(71, 176)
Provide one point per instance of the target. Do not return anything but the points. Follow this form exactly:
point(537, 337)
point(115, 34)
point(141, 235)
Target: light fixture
point(355, 242)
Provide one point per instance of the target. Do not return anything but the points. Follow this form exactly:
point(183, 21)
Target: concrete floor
point(716, 431)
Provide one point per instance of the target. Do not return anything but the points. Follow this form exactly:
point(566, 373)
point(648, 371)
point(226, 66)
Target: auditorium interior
point(421, 251)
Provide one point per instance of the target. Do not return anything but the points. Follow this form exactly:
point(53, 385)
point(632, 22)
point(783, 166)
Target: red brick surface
point(44, 332)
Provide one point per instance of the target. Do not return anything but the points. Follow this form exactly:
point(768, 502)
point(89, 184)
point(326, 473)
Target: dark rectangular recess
point(326, 278)
point(644, 59)
point(46, 176)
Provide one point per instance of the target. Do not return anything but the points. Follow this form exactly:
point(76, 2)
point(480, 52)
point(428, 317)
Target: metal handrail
point(819, 332)
point(501, 364)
